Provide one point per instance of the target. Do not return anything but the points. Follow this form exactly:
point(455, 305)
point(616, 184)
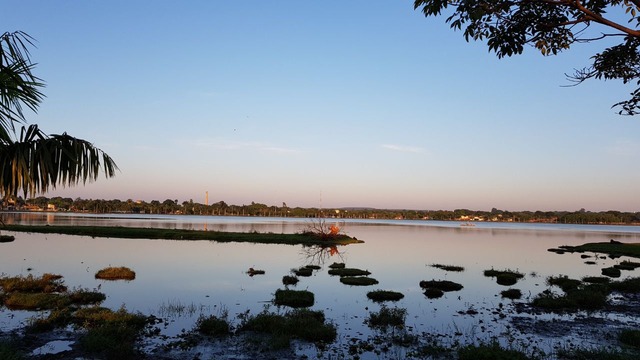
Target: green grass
point(358, 280)
point(294, 298)
point(181, 234)
point(444, 285)
point(384, 295)
point(116, 273)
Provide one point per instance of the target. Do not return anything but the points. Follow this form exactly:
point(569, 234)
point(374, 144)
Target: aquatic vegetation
point(448, 267)
point(611, 272)
point(181, 234)
point(444, 285)
point(337, 266)
point(7, 238)
point(300, 324)
point(513, 294)
point(113, 341)
point(564, 282)
point(387, 317)
point(253, 272)
point(596, 279)
point(116, 273)
point(303, 271)
point(47, 283)
point(630, 337)
point(35, 301)
point(289, 280)
point(294, 298)
point(630, 285)
point(589, 297)
point(610, 248)
point(491, 351)
point(384, 295)
point(213, 326)
point(433, 293)
point(313, 267)
point(358, 280)
point(348, 272)
point(504, 277)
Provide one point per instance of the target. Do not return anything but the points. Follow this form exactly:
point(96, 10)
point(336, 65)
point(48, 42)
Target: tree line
point(221, 208)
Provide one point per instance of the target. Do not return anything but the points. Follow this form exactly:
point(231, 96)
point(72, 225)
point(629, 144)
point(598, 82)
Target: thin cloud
point(402, 148)
point(244, 145)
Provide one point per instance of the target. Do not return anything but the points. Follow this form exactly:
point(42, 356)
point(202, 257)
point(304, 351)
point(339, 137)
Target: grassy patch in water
point(213, 326)
point(348, 272)
point(7, 238)
point(504, 277)
point(596, 279)
point(47, 283)
point(35, 301)
point(564, 282)
point(630, 337)
point(303, 271)
point(9, 351)
point(611, 272)
point(384, 295)
point(298, 324)
point(289, 280)
point(387, 317)
point(491, 351)
point(448, 267)
point(433, 293)
point(294, 298)
point(444, 285)
point(116, 273)
point(358, 280)
point(630, 285)
point(181, 234)
point(609, 248)
point(513, 294)
point(336, 265)
point(590, 297)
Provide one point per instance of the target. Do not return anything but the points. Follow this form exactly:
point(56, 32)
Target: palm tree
point(31, 161)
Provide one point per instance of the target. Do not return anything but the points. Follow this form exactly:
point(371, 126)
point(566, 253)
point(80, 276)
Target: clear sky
point(334, 103)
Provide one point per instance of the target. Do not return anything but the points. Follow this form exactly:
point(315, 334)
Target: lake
point(181, 280)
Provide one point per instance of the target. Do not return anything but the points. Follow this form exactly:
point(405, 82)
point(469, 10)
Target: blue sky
point(338, 103)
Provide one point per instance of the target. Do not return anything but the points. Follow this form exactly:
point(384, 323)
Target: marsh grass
point(35, 301)
point(294, 298)
point(181, 234)
point(336, 265)
point(387, 317)
point(289, 280)
point(176, 308)
point(611, 272)
point(8, 351)
point(298, 324)
point(596, 279)
point(448, 267)
point(504, 277)
point(358, 280)
point(433, 293)
point(630, 285)
point(444, 285)
point(384, 295)
point(564, 282)
point(213, 326)
point(513, 294)
point(116, 273)
point(303, 271)
point(348, 272)
point(112, 341)
point(595, 354)
point(7, 238)
point(630, 337)
point(47, 283)
point(490, 351)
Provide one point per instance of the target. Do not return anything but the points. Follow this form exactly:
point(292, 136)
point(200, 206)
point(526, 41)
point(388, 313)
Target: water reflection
point(186, 278)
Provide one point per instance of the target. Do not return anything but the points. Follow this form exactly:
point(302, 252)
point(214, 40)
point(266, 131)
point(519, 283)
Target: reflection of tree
point(318, 254)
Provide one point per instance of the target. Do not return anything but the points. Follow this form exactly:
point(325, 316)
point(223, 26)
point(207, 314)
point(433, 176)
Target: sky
point(324, 104)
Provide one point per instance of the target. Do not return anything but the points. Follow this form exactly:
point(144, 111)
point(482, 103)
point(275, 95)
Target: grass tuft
point(384, 295)
point(116, 273)
point(358, 280)
point(294, 298)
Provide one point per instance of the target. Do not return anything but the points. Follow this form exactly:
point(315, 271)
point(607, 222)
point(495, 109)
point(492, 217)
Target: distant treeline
point(256, 209)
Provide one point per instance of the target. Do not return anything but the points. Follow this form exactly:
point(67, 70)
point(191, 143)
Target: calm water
point(206, 277)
